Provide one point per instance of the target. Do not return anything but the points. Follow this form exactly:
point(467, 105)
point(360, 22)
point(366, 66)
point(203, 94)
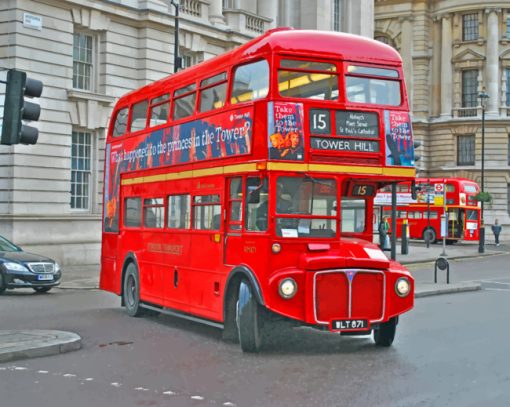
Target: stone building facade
point(452, 51)
point(90, 52)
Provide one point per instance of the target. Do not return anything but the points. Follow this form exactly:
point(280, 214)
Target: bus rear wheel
point(131, 291)
point(249, 319)
point(430, 234)
point(385, 334)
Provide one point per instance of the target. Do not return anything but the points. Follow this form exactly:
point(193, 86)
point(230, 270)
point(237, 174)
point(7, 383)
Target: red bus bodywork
point(197, 269)
point(461, 206)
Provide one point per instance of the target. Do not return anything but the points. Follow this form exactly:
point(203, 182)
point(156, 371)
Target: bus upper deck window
point(120, 126)
point(160, 109)
point(139, 116)
point(213, 92)
point(376, 91)
point(307, 79)
point(251, 82)
point(184, 102)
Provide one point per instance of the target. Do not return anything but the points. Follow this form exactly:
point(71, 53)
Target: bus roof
point(325, 44)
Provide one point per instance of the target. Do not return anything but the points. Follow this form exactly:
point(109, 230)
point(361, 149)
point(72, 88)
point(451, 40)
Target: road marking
point(118, 385)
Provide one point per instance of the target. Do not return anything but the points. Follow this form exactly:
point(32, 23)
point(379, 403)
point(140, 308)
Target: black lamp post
point(177, 59)
point(483, 96)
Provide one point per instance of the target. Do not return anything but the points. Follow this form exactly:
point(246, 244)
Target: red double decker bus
point(435, 197)
point(239, 192)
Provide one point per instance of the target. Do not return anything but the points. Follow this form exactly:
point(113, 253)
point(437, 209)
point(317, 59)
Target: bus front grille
point(349, 294)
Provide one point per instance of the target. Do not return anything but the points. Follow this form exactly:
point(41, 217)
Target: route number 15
point(320, 121)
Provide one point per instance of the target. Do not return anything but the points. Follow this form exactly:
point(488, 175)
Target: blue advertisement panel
point(399, 139)
point(224, 135)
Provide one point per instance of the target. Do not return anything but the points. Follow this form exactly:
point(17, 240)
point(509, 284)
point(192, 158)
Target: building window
point(508, 27)
point(188, 59)
point(508, 150)
point(470, 88)
point(336, 15)
point(470, 27)
point(385, 40)
point(81, 152)
point(82, 61)
point(466, 150)
point(229, 4)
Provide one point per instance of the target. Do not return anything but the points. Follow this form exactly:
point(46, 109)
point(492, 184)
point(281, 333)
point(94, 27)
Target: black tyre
point(385, 334)
point(3, 286)
point(431, 234)
point(249, 319)
point(131, 292)
point(41, 290)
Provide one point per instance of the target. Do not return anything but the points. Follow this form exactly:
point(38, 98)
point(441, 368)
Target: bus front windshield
point(306, 207)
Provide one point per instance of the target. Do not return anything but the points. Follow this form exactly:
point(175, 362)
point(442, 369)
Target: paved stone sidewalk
point(30, 343)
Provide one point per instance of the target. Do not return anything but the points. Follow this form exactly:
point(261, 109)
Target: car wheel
point(249, 319)
point(131, 292)
point(385, 334)
point(41, 290)
point(3, 286)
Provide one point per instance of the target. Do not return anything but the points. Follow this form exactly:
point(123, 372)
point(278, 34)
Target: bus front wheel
point(385, 334)
point(131, 291)
point(249, 319)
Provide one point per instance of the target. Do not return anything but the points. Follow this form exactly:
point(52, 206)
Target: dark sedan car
point(19, 269)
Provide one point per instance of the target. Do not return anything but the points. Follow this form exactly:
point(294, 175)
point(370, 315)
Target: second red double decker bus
point(240, 191)
point(436, 197)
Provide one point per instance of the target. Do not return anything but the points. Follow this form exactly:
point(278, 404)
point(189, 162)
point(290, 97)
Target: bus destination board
point(357, 124)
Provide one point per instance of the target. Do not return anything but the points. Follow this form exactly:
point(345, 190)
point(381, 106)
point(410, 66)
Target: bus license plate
point(44, 277)
point(349, 324)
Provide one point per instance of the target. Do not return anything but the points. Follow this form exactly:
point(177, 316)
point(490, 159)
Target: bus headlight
point(402, 287)
point(287, 288)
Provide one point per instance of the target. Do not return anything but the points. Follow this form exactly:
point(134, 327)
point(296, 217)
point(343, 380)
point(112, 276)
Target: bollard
point(404, 248)
point(442, 264)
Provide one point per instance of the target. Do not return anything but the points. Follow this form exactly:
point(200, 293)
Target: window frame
point(205, 85)
point(89, 172)
point(466, 162)
point(187, 220)
point(336, 73)
point(145, 206)
point(181, 93)
point(232, 77)
point(93, 60)
point(470, 27)
point(469, 100)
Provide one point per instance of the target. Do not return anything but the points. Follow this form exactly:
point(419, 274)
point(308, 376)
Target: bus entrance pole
point(393, 221)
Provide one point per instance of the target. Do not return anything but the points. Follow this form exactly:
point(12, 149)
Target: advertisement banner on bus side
point(399, 139)
point(228, 134)
point(285, 131)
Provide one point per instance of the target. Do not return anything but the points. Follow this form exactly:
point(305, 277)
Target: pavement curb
point(23, 344)
point(474, 256)
point(439, 289)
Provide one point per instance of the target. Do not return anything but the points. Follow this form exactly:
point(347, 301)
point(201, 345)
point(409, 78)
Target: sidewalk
point(34, 343)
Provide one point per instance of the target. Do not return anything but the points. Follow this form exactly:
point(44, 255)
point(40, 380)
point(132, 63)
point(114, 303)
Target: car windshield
point(6, 246)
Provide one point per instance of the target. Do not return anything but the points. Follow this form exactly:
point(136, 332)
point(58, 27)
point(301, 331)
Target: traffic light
point(17, 109)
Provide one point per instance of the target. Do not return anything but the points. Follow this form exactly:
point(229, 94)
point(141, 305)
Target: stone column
point(435, 100)
point(492, 67)
point(446, 66)
point(216, 12)
point(407, 56)
point(269, 9)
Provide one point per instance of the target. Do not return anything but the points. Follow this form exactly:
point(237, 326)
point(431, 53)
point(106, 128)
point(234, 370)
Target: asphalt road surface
point(451, 350)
